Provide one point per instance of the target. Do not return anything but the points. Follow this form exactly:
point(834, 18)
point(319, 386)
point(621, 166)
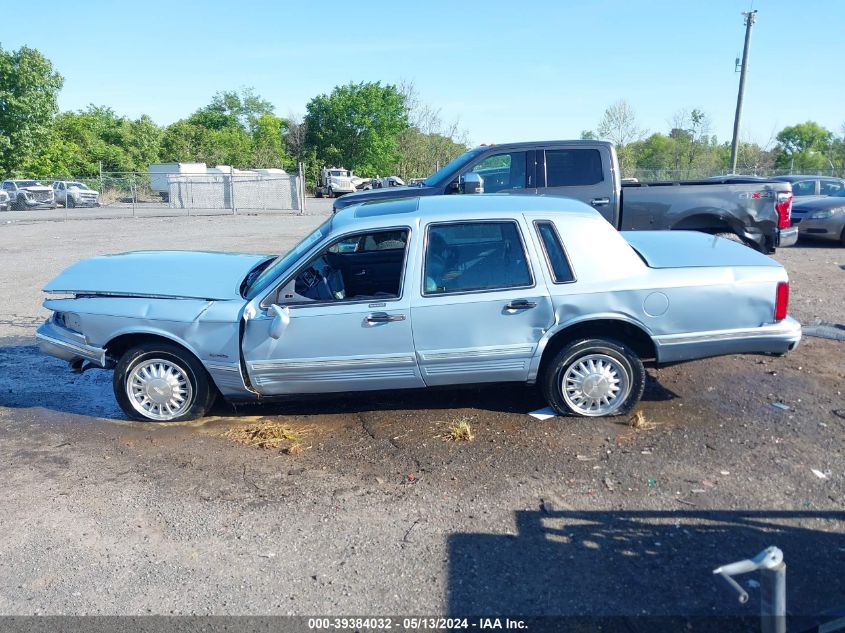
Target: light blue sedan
point(416, 293)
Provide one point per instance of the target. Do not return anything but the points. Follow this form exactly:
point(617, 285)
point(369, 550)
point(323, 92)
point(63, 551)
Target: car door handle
point(520, 304)
point(599, 202)
point(383, 317)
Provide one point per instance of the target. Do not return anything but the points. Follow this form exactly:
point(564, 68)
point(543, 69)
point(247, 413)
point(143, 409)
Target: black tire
point(318, 192)
point(19, 204)
point(200, 395)
point(69, 203)
point(842, 237)
point(620, 357)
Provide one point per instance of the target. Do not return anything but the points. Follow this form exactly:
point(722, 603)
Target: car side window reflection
point(502, 172)
point(475, 256)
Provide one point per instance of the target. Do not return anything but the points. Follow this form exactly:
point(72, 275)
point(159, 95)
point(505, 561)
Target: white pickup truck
point(72, 193)
point(29, 194)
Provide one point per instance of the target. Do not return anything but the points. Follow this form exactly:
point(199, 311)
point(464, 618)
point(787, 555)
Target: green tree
point(28, 89)
point(803, 147)
point(268, 142)
point(358, 126)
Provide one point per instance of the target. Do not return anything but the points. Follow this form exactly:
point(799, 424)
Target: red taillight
point(781, 300)
point(784, 209)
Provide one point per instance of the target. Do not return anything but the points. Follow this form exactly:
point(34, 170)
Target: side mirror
point(281, 320)
point(472, 183)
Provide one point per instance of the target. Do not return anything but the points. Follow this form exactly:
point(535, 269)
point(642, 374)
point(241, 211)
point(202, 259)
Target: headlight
point(822, 215)
point(69, 320)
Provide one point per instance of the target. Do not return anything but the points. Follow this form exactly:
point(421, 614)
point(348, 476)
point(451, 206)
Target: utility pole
point(750, 16)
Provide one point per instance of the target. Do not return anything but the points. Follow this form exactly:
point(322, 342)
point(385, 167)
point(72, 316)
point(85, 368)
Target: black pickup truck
point(756, 212)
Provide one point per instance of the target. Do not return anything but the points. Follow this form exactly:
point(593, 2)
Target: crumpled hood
point(36, 188)
point(181, 274)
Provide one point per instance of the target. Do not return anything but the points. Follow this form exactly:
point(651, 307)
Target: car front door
point(340, 322)
point(479, 310)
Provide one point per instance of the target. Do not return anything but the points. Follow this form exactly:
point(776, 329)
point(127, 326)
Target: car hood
point(819, 204)
point(35, 189)
point(383, 194)
point(171, 274)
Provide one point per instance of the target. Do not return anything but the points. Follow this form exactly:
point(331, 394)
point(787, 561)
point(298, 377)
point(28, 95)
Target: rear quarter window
point(555, 254)
point(573, 167)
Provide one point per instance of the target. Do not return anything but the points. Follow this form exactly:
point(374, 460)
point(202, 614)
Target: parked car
point(4, 201)
point(754, 212)
point(420, 292)
point(822, 218)
point(808, 187)
point(72, 193)
point(29, 194)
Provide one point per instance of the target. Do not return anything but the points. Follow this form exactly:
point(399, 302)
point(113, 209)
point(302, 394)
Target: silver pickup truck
point(753, 211)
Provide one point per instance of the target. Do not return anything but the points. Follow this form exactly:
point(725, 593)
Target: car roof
point(455, 206)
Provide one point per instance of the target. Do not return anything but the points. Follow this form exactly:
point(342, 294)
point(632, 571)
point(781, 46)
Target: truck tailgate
point(691, 249)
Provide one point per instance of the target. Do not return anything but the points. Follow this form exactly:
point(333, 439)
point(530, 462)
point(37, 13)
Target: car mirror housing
point(281, 320)
point(472, 183)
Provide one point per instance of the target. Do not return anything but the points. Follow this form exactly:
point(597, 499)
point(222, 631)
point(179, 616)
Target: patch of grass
point(267, 435)
point(460, 431)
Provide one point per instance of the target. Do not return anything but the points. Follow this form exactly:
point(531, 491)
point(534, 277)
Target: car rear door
point(581, 172)
point(480, 307)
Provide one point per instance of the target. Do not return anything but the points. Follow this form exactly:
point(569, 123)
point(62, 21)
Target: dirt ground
point(378, 513)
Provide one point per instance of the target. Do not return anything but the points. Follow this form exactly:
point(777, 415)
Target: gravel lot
point(381, 515)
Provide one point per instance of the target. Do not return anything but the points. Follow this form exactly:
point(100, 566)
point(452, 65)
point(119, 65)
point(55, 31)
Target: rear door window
point(830, 187)
point(573, 167)
point(475, 257)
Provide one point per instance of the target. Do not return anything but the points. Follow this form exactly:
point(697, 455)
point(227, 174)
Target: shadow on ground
point(29, 379)
point(652, 568)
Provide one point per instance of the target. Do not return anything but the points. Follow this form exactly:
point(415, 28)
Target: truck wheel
point(594, 377)
point(318, 192)
point(331, 193)
point(159, 382)
point(69, 203)
point(19, 204)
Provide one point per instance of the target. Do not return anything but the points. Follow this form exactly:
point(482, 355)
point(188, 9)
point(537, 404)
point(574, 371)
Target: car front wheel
point(594, 377)
point(158, 382)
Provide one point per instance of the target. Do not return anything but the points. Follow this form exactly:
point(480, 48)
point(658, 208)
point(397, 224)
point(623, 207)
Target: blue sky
point(508, 70)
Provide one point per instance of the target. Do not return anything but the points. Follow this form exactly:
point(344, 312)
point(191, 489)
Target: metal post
point(134, 188)
point(773, 599)
point(232, 189)
point(750, 16)
point(301, 191)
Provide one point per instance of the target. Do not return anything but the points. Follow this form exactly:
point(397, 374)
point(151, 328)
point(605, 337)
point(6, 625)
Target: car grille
point(42, 196)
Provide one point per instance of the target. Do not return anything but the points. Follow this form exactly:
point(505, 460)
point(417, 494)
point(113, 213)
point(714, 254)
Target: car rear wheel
point(159, 382)
point(593, 378)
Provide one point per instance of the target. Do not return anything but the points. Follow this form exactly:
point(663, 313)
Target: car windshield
point(451, 166)
point(78, 185)
point(260, 278)
point(337, 172)
point(29, 183)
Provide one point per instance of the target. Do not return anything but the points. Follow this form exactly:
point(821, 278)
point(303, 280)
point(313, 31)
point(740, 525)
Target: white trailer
point(160, 174)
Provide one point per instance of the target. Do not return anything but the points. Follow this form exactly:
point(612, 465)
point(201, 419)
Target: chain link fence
point(118, 194)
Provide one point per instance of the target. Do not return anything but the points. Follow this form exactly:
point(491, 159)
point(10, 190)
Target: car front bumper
point(60, 342)
point(827, 229)
point(772, 338)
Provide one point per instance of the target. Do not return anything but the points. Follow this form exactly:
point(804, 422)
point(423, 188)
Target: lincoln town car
point(414, 293)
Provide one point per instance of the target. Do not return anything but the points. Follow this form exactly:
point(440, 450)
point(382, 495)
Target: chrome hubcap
point(595, 385)
point(159, 389)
